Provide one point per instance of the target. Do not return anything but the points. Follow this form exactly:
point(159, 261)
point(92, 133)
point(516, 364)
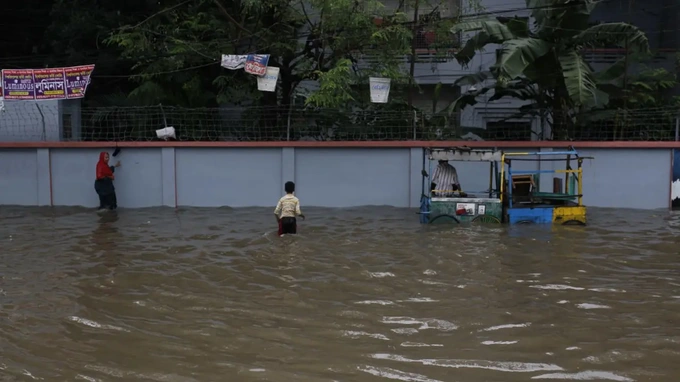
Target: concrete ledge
point(357, 144)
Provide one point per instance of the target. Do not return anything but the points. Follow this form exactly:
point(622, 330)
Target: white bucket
point(166, 133)
point(380, 89)
point(267, 83)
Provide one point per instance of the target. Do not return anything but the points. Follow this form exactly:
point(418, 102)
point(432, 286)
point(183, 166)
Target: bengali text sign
point(17, 84)
point(49, 83)
point(45, 84)
point(77, 80)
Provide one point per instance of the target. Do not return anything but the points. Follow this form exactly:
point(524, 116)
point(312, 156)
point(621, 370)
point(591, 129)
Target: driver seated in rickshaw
point(444, 181)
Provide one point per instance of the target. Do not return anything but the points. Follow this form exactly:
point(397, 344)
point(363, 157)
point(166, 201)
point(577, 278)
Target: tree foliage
point(315, 40)
point(641, 99)
point(543, 65)
point(150, 52)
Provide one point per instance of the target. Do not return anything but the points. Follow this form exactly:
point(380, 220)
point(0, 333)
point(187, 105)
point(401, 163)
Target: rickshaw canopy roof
point(463, 154)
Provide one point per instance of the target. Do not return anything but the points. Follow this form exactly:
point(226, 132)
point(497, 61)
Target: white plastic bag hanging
point(380, 89)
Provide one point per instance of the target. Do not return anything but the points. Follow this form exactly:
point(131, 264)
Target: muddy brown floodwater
point(365, 294)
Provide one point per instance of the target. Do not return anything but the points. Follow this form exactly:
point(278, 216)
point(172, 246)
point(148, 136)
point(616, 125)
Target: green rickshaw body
point(448, 210)
point(462, 207)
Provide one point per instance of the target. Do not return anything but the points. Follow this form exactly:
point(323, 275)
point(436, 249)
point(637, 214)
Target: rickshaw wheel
point(574, 222)
point(448, 217)
point(486, 219)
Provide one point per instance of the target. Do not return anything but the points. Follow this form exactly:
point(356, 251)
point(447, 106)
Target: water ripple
point(213, 294)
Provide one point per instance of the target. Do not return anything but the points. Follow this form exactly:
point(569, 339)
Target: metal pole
point(290, 111)
point(677, 128)
point(165, 121)
point(490, 179)
point(422, 178)
point(415, 123)
point(413, 54)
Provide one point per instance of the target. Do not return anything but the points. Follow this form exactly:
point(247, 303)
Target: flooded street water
point(364, 294)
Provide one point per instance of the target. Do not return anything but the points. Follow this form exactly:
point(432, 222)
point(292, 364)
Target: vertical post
point(422, 178)
point(290, 111)
point(165, 121)
point(490, 179)
point(673, 154)
point(44, 177)
point(502, 186)
point(566, 176)
point(413, 54)
point(429, 184)
point(510, 184)
point(580, 182)
point(415, 124)
point(169, 176)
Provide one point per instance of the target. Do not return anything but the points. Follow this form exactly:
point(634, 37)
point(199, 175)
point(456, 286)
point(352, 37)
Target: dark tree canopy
point(167, 51)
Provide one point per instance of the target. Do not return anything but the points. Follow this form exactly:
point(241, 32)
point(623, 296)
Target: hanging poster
point(234, 61)
point(380, 89)
point(267, 83)
point(77, 79)
point(257, 64)
point(49, 84)
point(45, 84)
point(17, 84)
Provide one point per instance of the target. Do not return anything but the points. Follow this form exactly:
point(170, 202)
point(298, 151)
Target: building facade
point(657, 18)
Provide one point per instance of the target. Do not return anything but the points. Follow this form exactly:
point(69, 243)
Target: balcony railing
point(610, 56)
point(430, 48)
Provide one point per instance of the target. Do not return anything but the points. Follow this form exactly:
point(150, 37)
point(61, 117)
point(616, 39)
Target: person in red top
point(104, 183)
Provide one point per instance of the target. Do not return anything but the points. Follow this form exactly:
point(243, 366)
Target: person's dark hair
point(289, 187)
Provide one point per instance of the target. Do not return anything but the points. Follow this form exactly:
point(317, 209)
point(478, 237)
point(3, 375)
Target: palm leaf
point(475, 43)
point(469, 99)
point(539, 12)
point(562, 18)
point(620, 34)
point(490, 32)
point(578, 78)
point(613, 73)
point(517, 54)
point(470, 26)
point(600, 100)
point(499, 29)
point(473, 79)
point(523, 90)
point(518, 26)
